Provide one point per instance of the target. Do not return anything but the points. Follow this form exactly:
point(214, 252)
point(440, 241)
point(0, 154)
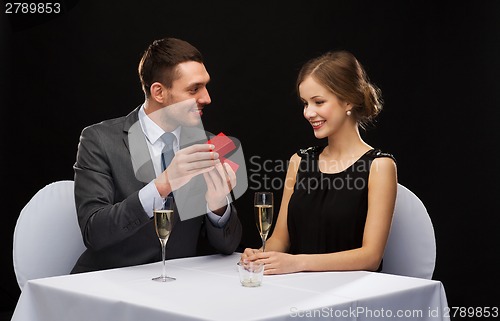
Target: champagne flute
point(163, 210)
point(263, 209)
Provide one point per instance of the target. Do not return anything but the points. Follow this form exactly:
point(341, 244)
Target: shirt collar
point(151, 130)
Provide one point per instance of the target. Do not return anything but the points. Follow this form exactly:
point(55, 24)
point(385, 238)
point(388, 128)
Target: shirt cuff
point(147, 195)
point(217, 220)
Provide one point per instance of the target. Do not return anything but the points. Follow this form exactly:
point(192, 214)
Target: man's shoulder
point(112, 124)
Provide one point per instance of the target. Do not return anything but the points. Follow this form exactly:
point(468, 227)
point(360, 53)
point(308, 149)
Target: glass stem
point(263, 243)
point(164, 271)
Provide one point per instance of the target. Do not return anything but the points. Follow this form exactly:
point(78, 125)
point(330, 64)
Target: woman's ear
point(348, 108)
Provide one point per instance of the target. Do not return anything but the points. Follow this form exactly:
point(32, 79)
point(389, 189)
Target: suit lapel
point(135, 141)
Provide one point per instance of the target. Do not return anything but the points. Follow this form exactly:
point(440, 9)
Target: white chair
point(47, 238)
point(411, 247)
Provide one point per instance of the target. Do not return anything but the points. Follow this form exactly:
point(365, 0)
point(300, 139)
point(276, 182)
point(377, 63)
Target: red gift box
point(233, 165)
point(222, 143)
point(223, 146)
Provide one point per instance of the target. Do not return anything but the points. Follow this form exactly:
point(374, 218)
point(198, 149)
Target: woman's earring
point(348, 113)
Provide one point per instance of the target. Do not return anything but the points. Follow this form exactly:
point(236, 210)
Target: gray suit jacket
point(116, 230)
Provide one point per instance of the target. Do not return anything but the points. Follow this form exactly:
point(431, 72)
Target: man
point(118, 170)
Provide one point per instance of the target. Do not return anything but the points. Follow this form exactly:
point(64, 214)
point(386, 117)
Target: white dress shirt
point(153, 133)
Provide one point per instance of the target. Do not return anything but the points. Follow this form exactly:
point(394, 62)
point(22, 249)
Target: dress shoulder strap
point(376, 153)
point(308, 160)
point(310, 152)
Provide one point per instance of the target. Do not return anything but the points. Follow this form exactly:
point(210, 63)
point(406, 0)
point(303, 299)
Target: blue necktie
point(167, 152)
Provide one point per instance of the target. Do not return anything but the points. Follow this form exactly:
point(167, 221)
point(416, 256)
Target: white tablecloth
point(208, 288)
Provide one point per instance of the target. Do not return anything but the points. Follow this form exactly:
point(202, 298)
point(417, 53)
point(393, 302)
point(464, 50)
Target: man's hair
point(159, 61)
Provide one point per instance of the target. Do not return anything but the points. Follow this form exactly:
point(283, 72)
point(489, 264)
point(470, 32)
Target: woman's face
point(322, 109)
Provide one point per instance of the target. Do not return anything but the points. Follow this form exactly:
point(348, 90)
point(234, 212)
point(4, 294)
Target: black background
point(436, 63)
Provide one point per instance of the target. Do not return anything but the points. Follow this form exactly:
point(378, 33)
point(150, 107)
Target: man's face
point(188, 95)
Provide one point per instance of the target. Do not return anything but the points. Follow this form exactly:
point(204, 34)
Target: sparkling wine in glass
point(163, 210)
point(263, 208)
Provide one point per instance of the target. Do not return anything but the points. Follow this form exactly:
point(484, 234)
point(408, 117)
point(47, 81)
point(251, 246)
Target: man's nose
point(204, 98)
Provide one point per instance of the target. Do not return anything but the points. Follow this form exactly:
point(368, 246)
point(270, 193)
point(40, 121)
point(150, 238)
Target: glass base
point(163, 279)
point(250, 283)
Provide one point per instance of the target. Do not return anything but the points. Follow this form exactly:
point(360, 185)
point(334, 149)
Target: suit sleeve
point(105, 217)
point(227, 238)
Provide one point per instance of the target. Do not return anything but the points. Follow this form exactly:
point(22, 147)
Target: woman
point(338, 202)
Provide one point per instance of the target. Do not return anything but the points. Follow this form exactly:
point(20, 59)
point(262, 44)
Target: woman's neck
point(345, 144)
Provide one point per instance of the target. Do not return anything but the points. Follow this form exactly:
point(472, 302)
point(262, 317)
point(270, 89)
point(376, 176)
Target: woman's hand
point(274, 262)
point(248, 255)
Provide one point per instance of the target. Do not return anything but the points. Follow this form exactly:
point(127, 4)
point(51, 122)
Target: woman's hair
point(343, 75)
point(159, 61)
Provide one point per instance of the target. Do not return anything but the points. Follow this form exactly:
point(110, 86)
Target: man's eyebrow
point(198, 83)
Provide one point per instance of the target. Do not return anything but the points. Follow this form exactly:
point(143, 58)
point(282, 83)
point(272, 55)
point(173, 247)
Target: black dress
point(327, 212)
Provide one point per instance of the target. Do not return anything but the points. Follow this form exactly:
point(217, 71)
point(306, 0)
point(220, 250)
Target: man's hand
point(187, 163)
point(220, 181)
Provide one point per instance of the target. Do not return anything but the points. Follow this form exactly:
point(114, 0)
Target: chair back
point(411, 247)
point(47, 238)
